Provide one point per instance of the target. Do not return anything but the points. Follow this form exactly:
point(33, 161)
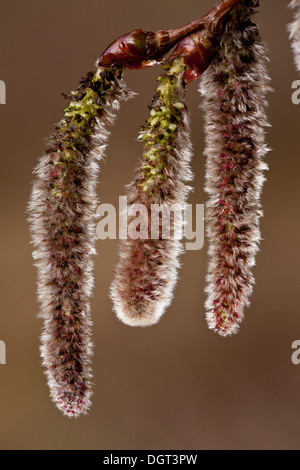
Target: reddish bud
point(197, 51)
point(129, 50)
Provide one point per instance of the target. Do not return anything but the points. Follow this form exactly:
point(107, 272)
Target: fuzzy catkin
point(147, 269)
point(234, 89)
point(62, 214)
point(294, 29)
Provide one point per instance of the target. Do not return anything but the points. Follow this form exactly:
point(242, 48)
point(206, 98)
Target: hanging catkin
point(147, 270)
point(294, 29)
point(234, 89)
point(62, 207)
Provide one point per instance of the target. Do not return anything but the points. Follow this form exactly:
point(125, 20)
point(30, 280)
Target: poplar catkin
point(147, 269)
point(234, 89)
point(62, 214)
point(294, 29)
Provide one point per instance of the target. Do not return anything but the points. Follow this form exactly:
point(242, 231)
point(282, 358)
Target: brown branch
point(212, 19)
point(141, 49)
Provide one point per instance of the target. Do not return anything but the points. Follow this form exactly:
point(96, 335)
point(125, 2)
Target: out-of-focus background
point(175, 385)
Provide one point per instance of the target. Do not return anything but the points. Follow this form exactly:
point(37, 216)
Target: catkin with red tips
point(147, 269)
point(234, 89)
point(62, 214)
point(294, 29)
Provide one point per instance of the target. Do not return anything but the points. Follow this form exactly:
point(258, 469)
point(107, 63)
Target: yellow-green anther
point(179, 105)
point(164, 124)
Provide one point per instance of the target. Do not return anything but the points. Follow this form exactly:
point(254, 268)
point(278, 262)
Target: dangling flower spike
point(62, 207)
point(294, 29)
point(234, 89)
point(147, 270)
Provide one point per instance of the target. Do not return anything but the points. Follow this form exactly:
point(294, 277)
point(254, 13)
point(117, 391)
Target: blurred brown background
point(176, 385)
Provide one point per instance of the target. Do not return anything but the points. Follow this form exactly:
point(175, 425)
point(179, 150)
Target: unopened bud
point(129, 50)
point(197, 52)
